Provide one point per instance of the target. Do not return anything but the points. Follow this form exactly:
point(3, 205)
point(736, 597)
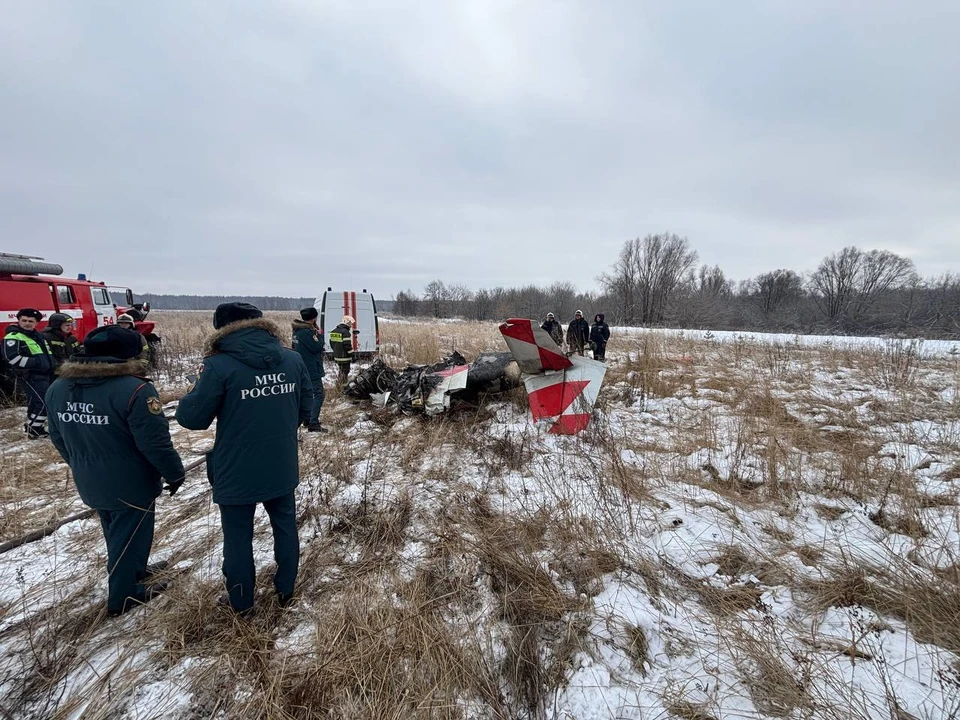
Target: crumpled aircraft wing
point(561, 390)
point(452, 380)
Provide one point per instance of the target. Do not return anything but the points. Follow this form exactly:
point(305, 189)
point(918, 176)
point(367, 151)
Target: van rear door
point(361, 306)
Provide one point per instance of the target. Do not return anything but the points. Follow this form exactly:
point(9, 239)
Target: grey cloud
point(276, 148)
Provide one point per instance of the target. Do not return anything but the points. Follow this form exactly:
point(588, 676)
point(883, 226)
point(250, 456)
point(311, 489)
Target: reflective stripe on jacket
point(26, 351)
point(62, 347)
point(341, 342)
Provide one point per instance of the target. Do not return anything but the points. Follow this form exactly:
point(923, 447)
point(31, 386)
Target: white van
point(361, 306)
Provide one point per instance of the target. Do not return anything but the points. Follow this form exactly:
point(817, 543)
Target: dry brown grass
point(458, 576)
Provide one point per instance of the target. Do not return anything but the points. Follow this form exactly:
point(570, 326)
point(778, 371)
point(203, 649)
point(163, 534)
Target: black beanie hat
point(30, 312)
point(227, 313)
point(309, 313)
point(112, 341)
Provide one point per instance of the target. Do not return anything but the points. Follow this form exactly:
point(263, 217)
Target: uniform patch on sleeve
point(154, 406)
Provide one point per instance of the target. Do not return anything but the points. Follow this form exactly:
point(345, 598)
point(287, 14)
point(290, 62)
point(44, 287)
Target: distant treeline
point(657, 282)
point(210, 302)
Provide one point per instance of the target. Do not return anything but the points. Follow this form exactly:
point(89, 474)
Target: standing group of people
point(107, 422)
point(36, 357)
point(580, 334)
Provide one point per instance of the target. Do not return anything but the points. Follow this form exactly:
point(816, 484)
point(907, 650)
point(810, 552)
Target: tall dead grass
point(451, 566)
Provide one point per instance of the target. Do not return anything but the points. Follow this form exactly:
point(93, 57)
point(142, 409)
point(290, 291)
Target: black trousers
point(129, 536)
point(35, 388)
point(344, 368)
point(318, 396)
point(238, 567)
point(600, 351)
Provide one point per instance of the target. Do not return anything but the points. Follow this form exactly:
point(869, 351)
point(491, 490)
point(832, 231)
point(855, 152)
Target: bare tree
point(459, 297)
point(848, 283)
point(712, 284)
point(482, 305)
point(881, 271)
point(772, 290)
point(645, 275)
point(436, 294)
point(561, 298)
point(405, 303)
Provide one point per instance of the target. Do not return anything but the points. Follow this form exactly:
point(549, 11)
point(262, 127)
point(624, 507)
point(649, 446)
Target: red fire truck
point(31, 282)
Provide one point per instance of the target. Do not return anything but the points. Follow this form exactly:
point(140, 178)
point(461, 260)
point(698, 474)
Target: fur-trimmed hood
point(304, 325)
point(94, 369)
point(212, 345)
point(255, 343)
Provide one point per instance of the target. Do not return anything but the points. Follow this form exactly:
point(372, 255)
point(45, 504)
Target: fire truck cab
point(31, 282)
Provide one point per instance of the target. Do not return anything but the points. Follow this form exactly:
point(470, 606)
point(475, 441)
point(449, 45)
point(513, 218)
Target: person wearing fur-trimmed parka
point(260, 393)
point(107, 423)
point(307, 342)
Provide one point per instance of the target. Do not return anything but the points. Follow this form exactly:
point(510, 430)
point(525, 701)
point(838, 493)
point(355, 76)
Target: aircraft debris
point(561, 389)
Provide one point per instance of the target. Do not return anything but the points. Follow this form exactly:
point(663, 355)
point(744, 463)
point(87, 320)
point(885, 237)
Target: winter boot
point(150, 592)
point(154, 568)
point(224, 602)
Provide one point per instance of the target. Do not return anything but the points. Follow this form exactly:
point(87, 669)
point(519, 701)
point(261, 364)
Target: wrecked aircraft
point(561, 390)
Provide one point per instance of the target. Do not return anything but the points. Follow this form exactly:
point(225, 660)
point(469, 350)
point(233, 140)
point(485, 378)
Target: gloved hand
point(173, 486)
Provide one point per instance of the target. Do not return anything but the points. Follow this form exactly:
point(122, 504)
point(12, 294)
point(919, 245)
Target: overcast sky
point(280, 147)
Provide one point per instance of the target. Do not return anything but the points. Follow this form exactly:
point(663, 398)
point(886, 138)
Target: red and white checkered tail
point(562, 391)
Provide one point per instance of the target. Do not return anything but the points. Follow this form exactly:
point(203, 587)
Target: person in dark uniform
point(578, 333)
point(27, 352)
point(553, 328)
point(599, 335)
point(107, 423)
point(126, 321)
point(260, 394)
point(307, 342)
point(61, 341)
point(341, 342)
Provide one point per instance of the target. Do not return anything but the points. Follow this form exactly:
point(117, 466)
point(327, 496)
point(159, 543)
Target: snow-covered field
point(750, 528)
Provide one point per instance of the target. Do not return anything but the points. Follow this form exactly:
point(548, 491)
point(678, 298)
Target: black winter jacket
point(341, 342)
point(62, 347)
point(260, 393)
point(599, 331)
point(107, 423)
point(27, 352)
point(307, 342)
